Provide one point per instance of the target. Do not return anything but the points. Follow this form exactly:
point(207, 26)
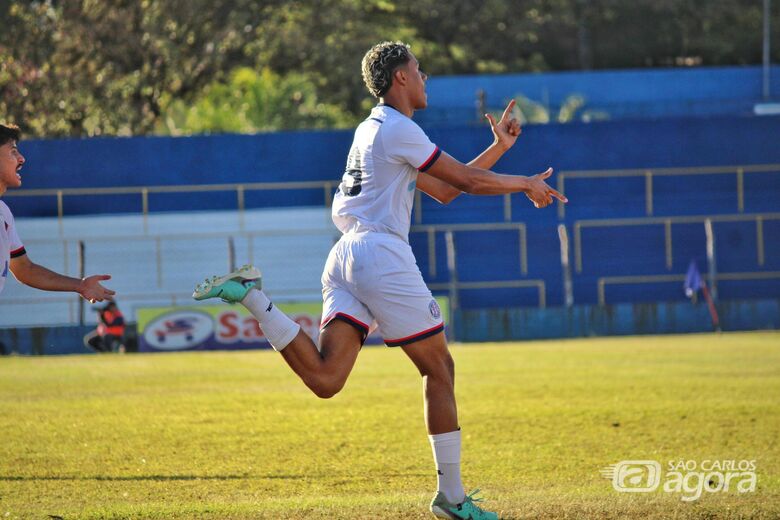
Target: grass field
point(234, 435)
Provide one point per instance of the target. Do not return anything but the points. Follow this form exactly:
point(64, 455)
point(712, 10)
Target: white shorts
point(373, 277)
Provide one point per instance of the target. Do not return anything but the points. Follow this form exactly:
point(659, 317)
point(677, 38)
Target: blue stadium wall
point(321, 155)
point(616, 94)
point(499, 324)
point(299, 156)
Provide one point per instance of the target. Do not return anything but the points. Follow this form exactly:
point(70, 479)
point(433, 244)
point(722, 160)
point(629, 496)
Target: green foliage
point(127, 67)
point(569, 108)
point(90, 68)
point(236, 435)
point(528, 111)
point(252, 101)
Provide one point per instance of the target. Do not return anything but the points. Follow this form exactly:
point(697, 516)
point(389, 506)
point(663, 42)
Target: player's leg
point(323, 370)
point(409, 317)
point(437, 368)
point(432, 358)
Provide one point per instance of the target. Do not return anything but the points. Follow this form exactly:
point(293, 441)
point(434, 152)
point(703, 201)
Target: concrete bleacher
point(290, 245)
point(608, 249)
point(156, 261)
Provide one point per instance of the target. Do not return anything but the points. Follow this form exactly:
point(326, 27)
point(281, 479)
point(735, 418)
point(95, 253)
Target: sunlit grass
point(236, 435)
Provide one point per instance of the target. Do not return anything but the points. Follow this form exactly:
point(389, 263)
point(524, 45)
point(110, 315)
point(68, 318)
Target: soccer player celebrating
point(371, 275)
point(12, 253)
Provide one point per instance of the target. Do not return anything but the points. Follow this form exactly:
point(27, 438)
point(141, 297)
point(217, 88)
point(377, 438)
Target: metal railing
point(143, 192)
point(418, 208)
point(502, 284)
point(76, 308)
point(668, 222)
point(328, 188)
point(678, 278)
point(159, 239)
point(432, 229)
point(738, 171)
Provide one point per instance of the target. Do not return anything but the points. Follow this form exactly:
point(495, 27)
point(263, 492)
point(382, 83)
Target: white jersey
point(10, 245)
point(376, 193)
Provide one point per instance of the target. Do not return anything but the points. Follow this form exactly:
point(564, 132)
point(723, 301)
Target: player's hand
point(540, 193)
point(91, 290)
point(507, 129)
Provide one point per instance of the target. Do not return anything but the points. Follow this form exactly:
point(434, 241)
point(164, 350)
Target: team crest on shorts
point(434, 308)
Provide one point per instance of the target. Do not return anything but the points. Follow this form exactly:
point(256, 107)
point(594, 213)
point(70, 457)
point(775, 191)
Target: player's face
point(417, 79)
point(11, 161)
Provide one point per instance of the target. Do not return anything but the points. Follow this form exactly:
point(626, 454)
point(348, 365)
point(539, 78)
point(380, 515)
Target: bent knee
point(325, 388)
point(443, 368)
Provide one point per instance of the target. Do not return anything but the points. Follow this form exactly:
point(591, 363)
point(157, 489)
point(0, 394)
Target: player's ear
point(399, 75)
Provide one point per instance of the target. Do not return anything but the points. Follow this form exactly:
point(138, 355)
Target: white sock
point(446, 456)
point(277, 326)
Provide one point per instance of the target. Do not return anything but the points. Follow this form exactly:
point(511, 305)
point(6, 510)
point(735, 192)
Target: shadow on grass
point(12, 478)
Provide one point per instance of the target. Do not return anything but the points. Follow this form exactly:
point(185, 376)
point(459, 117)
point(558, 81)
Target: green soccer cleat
point(230, 288)
point(467, 510)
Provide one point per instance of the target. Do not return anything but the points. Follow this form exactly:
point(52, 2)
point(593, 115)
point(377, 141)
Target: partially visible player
point(371, 275)
point(13, 256)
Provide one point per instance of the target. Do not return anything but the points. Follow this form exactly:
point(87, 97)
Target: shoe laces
point(470, 498)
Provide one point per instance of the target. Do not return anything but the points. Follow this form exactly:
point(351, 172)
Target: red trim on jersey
point(414, 337)
point(18, 252)
point(432, 159)
point(345, 317)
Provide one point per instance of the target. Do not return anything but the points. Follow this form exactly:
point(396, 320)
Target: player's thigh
point(339, 301)
point(431, 356)
point(340, 344)
point(344, 325)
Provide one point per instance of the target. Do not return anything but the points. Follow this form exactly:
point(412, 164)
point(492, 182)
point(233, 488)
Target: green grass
point(236, 435)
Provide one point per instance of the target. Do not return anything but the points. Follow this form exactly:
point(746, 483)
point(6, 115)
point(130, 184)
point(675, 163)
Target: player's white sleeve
point(14, 242)
point(406, 143)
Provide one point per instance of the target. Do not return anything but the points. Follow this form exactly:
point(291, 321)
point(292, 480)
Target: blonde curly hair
point(380, 62)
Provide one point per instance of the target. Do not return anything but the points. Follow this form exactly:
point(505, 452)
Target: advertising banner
point(225, 327)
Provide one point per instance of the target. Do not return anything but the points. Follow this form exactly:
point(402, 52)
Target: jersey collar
point(389, 106)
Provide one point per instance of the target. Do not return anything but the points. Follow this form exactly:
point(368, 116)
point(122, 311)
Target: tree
point(87, 67)
point(253, 101)
point(91, 67)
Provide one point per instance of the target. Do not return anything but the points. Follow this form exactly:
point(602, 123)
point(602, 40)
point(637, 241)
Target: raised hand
point(507, 129)
point(91, 290)
point(540, 193)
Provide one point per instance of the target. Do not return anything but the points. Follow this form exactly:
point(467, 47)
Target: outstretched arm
point(505, 133)
point(477, 181)
point(39, 277)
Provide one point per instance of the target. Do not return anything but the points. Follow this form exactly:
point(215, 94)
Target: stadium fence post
point(451, 267)
point(231, 254)
point(82, 274)
point(568, 291)
point(711, 267)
